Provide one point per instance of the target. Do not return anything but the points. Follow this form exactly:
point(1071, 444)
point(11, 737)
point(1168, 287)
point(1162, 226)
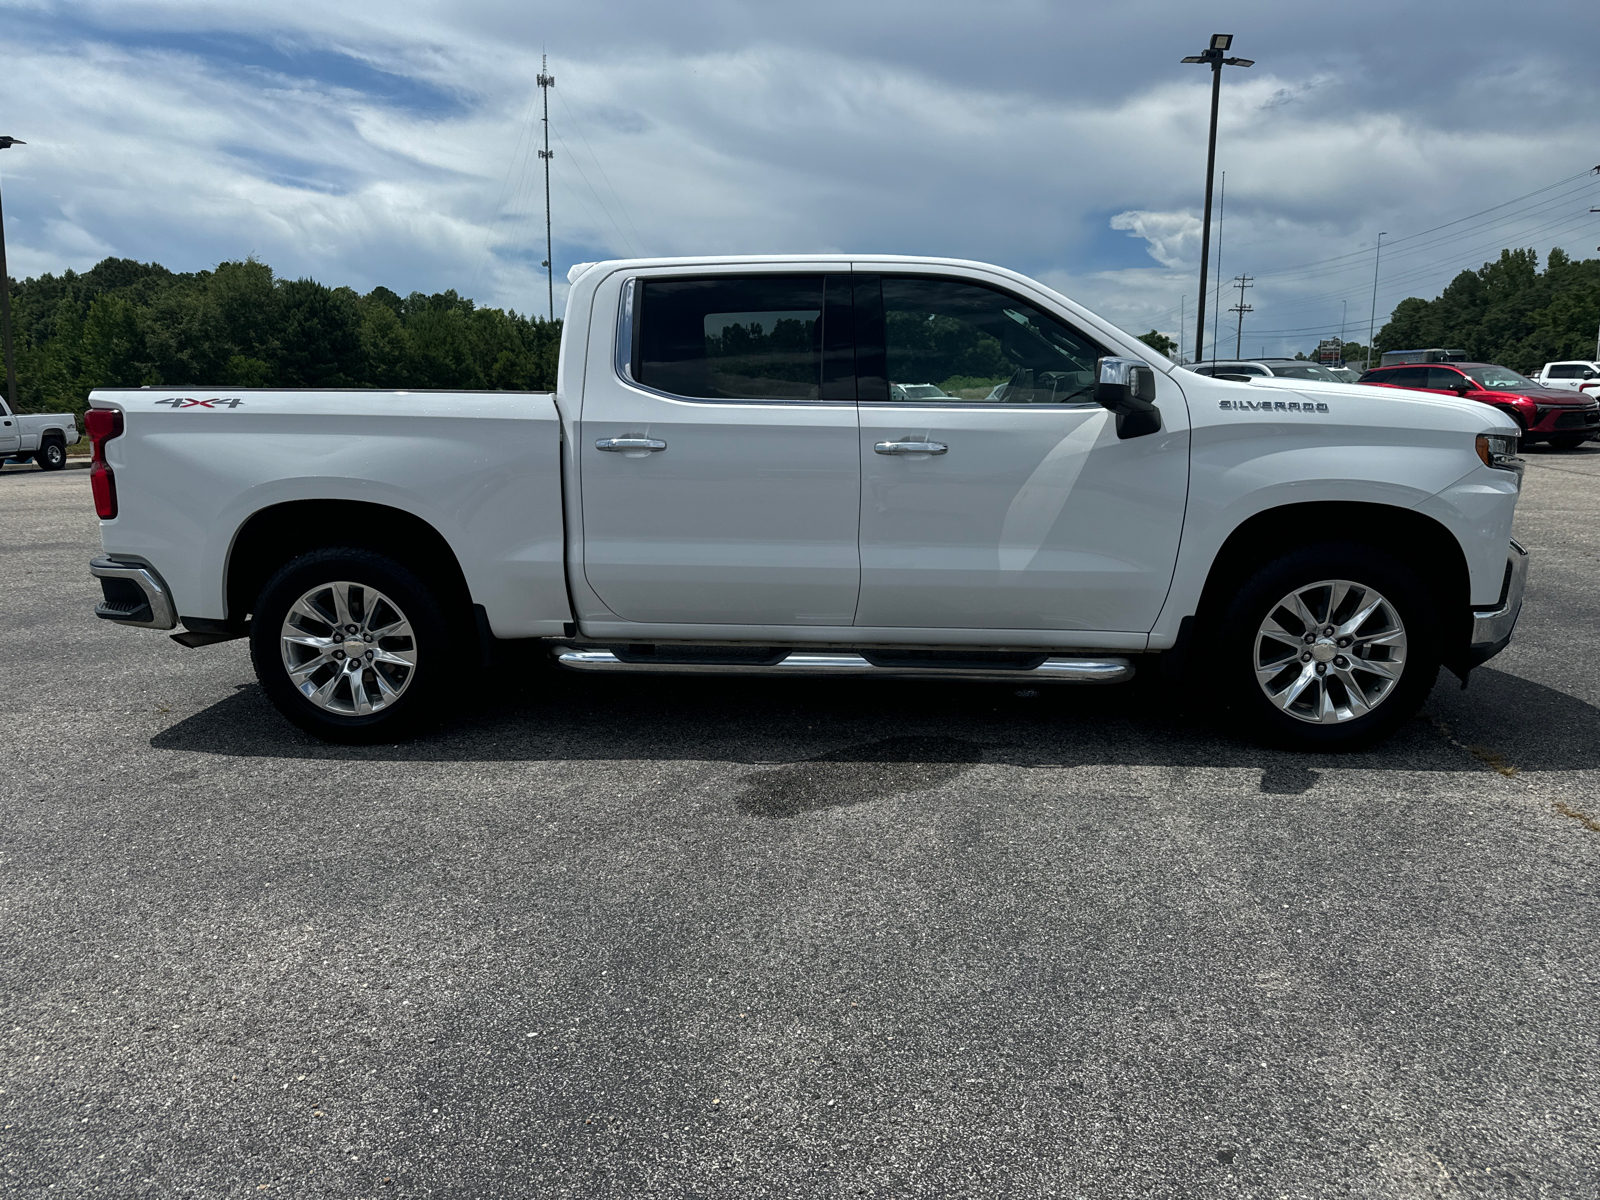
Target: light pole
point(5, 297)
point(1344, 313)
point(1372, 321)
point(1213, 57)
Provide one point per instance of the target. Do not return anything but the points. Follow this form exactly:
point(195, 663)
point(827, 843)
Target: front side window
point(1566, 371)
point(950, 341)
point(753, 337)
point(1500, 379)
point(1443, 379)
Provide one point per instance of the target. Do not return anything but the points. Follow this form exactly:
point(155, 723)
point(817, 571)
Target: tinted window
point(1305, 371)
point(753, 337)
point(974, 343)
point(1566, 371)
point(1411, 377)
point(1443, 379)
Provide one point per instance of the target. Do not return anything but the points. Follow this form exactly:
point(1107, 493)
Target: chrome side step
point(802, 662)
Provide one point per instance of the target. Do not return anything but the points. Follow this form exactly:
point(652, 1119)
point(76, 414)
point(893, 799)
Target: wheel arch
point(276, 534)
point(1413, 536)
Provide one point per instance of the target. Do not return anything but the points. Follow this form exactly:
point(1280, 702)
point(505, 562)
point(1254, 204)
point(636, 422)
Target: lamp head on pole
point(7, 142)
point(1213, 55)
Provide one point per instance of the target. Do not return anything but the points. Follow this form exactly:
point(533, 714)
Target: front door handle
point(624, 444)
point(911, 448)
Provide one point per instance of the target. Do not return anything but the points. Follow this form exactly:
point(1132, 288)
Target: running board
point(1051, 670)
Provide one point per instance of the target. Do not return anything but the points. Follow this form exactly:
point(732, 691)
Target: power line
point(1354, 259)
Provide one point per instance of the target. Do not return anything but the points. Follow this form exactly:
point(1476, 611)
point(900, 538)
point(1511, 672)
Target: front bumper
point(1491, 627)
point(1566, 420)
point(134, 595)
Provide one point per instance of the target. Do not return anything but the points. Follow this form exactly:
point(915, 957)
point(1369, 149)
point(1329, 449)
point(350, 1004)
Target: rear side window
point(1410, 377)
point(749, 337)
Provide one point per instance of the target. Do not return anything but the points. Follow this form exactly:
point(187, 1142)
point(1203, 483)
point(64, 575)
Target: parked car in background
point(1570, 375)
point(40, 437)
point(1397, 358)
point(1564, 419)
point(918, 391)
point(1256, 368)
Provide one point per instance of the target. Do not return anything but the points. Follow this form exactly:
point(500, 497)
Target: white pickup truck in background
point(727, 480)
point(1575, 375)
point(40, 437)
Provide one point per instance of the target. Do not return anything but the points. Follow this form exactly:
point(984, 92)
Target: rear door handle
point(623, 444)
point(911, 448)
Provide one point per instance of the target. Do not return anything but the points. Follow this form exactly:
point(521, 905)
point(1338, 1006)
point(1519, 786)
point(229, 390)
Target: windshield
point(1500, 379)
point(1306, 371)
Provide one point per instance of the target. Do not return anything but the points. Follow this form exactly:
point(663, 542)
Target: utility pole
point(5, 297)
point(546, 82)
point(1241, 282)
point(1372, 321)
point(1213, 58)
point(1180, 329)
point(1344, 306)
point(1596, 332)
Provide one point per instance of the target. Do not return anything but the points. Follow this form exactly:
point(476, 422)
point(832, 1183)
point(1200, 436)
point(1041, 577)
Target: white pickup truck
point(725, 482)
point(42, 437)
point(1573, 375)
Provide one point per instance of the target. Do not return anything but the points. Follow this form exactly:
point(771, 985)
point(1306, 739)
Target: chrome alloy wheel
point(1330, 651)
point(348, 648)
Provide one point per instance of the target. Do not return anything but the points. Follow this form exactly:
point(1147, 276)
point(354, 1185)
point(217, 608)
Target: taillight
point(103, 424)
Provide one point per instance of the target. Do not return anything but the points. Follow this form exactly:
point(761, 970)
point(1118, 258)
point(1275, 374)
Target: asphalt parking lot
point(612, 937)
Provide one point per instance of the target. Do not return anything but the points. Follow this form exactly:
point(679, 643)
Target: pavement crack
point(1582, 818)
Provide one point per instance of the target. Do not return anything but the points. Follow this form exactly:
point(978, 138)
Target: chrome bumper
point(1491, 628)
point(134, 595)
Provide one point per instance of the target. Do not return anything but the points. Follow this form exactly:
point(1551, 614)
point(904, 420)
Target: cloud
point(1173, 237)
point(398, 144)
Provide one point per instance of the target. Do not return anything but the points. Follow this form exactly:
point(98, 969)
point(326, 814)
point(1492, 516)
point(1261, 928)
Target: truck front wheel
point(350, 645)
point(1330, 647)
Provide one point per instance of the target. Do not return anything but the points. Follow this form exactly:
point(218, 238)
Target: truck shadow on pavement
point(865, 739)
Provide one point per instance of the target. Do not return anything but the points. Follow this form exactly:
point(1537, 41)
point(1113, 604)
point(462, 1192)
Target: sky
point(396, 144)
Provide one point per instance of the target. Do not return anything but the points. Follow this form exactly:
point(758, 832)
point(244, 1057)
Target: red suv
point(1562, 418)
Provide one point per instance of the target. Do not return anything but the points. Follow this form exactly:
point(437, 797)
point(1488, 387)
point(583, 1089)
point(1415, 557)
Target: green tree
point(1159, 342)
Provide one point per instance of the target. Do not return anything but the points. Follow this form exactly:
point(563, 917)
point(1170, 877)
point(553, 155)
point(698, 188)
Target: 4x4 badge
point(187, 402)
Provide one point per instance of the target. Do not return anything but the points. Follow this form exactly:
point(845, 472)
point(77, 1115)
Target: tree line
point(127, 324)
point(1507, 312)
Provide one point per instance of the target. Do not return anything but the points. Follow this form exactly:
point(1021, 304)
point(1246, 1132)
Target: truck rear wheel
point(52, 455)
point(1329, 647)
point(350, 645)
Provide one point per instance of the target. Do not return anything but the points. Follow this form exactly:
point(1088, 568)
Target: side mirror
point(1465, 386)
point(1588, 373)
point(1127, 387)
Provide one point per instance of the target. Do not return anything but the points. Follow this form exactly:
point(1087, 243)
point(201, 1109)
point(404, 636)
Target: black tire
point(52, 455)
point(1569, 441)
point(420, 688)
point(1235, 655)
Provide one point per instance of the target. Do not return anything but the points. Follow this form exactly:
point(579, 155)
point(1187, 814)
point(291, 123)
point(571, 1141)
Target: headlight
point(1499, 450)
